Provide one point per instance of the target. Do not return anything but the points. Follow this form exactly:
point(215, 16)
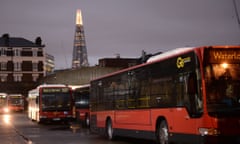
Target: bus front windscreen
point(56, 99)
point(222, 77)
point(3, 101)
point(82, 100)
point(16, 101)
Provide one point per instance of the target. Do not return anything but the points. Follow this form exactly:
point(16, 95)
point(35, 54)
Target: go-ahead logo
point(181, 61)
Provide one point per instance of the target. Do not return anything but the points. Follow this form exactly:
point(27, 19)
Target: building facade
point(49, 64)
point(86, 74)
point(21, 63)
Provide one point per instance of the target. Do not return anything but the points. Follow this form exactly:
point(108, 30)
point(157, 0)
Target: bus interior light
point(225, 65)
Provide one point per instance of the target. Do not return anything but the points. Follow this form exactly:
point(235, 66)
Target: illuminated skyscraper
point(80, 58)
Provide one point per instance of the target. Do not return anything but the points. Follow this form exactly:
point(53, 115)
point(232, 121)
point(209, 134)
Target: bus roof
point(3, 94)
point(153, 59)
point(35, 91)
point(166, 55)
point(14, 94)
point(169, 54)
point(52, 85)
point(79, 86)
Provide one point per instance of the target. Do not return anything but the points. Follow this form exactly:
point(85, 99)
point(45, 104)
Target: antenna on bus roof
point(144, 58)
point(236, 12)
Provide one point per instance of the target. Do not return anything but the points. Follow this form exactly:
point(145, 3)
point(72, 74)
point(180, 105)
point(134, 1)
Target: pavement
point(10, 135)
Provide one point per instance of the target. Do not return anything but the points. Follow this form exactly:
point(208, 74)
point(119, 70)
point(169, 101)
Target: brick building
point(21, 64)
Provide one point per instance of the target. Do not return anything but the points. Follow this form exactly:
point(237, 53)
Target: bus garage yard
point(194, 101)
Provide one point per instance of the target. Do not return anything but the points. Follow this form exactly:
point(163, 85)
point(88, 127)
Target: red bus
point(16, 102)
point(187, 95)
point(3, 103)
point(81, 100)
point(48, 103)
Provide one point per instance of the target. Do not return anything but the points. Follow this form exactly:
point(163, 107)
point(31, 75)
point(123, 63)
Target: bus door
point(189, 105)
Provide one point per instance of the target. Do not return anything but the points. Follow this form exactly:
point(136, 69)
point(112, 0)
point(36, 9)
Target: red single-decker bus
point(50, 102)
point(187, 95)
point(81, 101)
point(16, 102)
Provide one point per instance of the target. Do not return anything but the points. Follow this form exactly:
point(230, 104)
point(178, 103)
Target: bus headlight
point(6, 110)
point(209, 131)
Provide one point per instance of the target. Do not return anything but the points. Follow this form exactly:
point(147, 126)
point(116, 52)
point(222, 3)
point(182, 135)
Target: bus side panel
point(81, 114)
point(180, 126)
point(102, 117)
point(133, 117)
point(144, 120)
point(182, 118)
point(176, 118)
point(160, 114)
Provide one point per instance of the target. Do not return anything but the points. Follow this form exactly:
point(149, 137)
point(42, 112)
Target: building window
point(17, 77)
point(35, 66)
point(3, 77)
point(35, 77)
point(17, 66)
point(35, 52)
point(3, 66)
point(17, 52)
point(3, 52)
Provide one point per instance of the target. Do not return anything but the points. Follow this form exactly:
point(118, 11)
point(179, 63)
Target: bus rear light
point(209, 131)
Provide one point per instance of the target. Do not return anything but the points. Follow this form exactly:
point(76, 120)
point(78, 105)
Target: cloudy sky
point(124, 27)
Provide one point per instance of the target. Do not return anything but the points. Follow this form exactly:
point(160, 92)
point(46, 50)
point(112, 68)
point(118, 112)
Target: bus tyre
point(78, 117)
point(109, 130)
point(162, 133)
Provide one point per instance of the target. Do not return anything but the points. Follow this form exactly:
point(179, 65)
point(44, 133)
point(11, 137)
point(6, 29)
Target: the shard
point(80, 57)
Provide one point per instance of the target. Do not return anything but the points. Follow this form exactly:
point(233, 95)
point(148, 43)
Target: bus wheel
point(109, 130)
point(162, 133)
point(78, 117)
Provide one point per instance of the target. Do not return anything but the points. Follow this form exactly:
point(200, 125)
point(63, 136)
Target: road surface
point(16, 128)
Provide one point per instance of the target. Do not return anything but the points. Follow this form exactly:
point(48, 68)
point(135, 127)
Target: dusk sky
point(124, 27)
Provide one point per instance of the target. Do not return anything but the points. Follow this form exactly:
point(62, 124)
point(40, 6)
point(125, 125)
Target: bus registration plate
point(56, 119)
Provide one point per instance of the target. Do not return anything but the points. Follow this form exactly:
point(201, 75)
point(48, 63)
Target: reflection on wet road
point(7, 119)
point(18, 129)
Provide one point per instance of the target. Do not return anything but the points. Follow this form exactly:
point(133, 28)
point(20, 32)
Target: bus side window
point(192, 84)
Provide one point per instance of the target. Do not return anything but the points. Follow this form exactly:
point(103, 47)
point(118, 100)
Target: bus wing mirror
point(37, 100)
